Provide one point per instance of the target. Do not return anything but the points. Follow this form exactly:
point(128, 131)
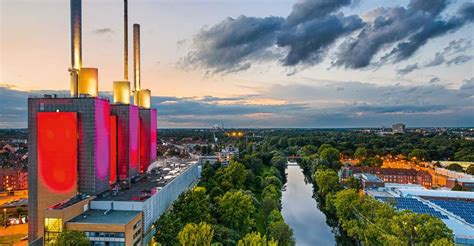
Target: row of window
point(105, 234)
point(95, 243)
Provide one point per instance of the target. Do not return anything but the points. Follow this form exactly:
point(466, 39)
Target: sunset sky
point(256, 63)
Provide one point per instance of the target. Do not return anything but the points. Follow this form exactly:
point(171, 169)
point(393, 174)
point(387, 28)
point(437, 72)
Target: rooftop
point(69, 202)
point(94, 216)
point(370, 177)
point(148, 185)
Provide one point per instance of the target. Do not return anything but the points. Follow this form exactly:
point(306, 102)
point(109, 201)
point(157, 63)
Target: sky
point(256, 63)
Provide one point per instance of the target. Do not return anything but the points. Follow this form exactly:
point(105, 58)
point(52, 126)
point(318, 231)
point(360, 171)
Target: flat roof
point(95, 216)
point(371, 177)
point(147, 186)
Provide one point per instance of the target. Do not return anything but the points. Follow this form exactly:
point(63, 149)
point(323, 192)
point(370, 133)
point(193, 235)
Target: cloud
point(308, 42)
point(434, 80)
point(321, 104)
point(229, 45)
point(449, 55)
point(309, 10)
point(408, 69)
point(104, 30)
point(312, 29)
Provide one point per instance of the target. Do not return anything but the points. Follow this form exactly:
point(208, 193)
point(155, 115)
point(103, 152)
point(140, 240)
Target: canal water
point(301, 212)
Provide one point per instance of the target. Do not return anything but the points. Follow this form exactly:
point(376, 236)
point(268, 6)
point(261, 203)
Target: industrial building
point(89, 157)
point(454, 208)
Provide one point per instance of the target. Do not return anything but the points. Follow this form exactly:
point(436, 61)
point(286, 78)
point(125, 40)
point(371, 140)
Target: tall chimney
point(125, 36)
point(76, 44)
point(136, 63)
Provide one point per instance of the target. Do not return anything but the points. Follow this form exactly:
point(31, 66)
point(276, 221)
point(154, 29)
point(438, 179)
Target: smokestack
point(125, 37)
point(136, 64)
point(76, 44)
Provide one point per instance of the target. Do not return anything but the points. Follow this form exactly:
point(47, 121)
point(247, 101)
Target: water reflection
point(301, 212)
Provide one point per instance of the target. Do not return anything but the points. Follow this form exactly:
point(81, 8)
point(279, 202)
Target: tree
point(442, 242)
point(327, 181)
point(309, 150)
point(323, 147)
point(236, 209)
point(331, 155)
point(372, 162)
point(269, 204)
point(268, 180)
point(196, 234)
point(454, 167)
point(189, 202)
point(255, 239)
point(360, 153)
point(208, 172)
point(167, 229)
point(419, 154)
point(76, 238)
point(470, 169)
point(279, 162)
point(225, 236)
point(418, 229)
point(457, 187)
point(353, 183)
point(281, 232)
point(233, 176)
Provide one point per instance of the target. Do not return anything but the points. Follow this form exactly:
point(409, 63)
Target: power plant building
point(81, 148)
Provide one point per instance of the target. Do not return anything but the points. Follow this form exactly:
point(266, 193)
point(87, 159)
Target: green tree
point(167, 229)
point(236, 209)
point(331, 155)
point(255, 239)
point(454, 167)
point(269, 204)
point(281, 232)
point(442, 242)
point(279, 162)
point(418, 229)
point(225, 236)
point(233, 176)
point(457, 187)
point(323, 147)
point(470, 169)
point(353, 183)
point(208, 172)
point(309, 150)
point(360, 153)
point(327, 181)
point(74, 238)
point(196, 234)
point(189, 202)
point(419, 154)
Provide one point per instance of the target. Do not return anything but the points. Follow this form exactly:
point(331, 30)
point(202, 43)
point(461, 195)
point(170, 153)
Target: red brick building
point(13, 179)
point(391, 175)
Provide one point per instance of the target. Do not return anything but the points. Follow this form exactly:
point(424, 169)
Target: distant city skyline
point(257, 63)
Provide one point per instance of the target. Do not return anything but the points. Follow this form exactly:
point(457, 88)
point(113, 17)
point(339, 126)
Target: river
point(301, 212)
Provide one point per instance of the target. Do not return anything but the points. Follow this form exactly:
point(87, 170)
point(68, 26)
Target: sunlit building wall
point(92, 157)
point(127, 140)
point(147, 138)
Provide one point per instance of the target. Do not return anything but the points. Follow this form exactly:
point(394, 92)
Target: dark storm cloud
point(229, 45)
point(391, 25)
point(309, 10)
point(314, 26)
point(308, 42)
